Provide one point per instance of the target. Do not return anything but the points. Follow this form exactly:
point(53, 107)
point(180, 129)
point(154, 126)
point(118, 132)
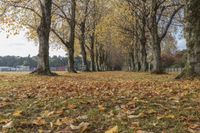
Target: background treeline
point(108, 34)
point(14, 61)
point(177, 60)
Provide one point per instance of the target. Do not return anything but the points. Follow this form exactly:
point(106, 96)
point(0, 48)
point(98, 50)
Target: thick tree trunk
point(71, 63)
point(157, 64)
point(71, 66)
point(43, 32)
point(192, 35)
point(155, 40)
point(83, 48)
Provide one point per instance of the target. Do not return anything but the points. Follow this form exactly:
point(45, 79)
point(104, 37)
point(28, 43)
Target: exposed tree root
point(43, 72)
point(188, 75)
point(159, 72)
point(72, 71)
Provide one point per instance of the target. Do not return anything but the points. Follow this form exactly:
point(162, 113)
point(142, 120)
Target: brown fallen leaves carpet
point(110, 102)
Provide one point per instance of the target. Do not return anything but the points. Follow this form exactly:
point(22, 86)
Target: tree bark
point(92, 43)
point(143, 58)
point(192, 35)
point(43, 32)
point(136, 59)
point(157, 63)
point(97, 59)
point(83, 48)
point(143, 46)
point(71, 65)
point(157, 67)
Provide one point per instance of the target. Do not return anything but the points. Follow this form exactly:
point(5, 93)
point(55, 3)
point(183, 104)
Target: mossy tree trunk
point(192, 35)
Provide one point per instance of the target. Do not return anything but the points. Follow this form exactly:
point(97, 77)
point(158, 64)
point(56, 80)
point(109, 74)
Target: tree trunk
point(71, 67)
point(83, 49)
point(92, 52)
point(155, 40)
point(43, 32)
point(192, 35)
point(136, 60)
point(97, 59)
point(143, 58)
point(157, 64)
point(143, 42)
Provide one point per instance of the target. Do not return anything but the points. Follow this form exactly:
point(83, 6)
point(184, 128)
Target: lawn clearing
point(97, 102)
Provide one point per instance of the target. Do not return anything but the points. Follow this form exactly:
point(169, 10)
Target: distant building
point(18, 68)
point(23, 68)
point(6, 68)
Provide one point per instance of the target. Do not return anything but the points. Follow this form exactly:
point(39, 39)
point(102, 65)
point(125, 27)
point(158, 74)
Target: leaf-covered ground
point(98, 102)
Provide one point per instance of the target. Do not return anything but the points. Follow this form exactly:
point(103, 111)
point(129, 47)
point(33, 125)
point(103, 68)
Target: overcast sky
point(20, 46)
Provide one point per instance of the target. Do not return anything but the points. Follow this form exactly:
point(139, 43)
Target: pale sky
point(19, 46)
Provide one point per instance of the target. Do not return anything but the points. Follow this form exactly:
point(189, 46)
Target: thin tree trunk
point(92, 43)
point(143, 58)
point(83, 48)
point(97, 59)
point(43, 32)
point(143, 46)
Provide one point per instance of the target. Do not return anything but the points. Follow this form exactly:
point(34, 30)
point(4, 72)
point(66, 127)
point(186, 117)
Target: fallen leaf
point(82, 126)
point(113, 130)
point(4, 121)
point(71, 106)
point(8, 125)
point(101, 108)
point(84, 117)
point(166, 117)
point(140, 131)
point(193, 131)
point(135, 124)
point(151, 111)
point(59, 112)
point(17, 113)
point(58, 122)
point(136, 116)
point(47, 113)
point(195, 126)
point(39, 121)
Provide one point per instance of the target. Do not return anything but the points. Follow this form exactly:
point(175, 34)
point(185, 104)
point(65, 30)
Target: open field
point(134, 102)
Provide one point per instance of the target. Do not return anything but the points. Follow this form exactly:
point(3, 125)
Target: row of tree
point(109, 33)
point(169, 60)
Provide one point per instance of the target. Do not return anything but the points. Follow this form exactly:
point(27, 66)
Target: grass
point(132, 101)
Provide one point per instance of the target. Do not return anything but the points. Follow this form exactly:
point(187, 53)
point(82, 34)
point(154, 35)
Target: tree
point(40, 10)
point(64, 26)
point(43, 32)
point(97, 11)
point(192, 33)
point(139, 12)
point(159, 9)
point(83, 14)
